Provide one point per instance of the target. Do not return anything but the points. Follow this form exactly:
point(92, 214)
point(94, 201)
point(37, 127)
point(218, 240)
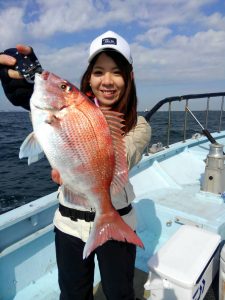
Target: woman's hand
point(56, 176)
point(9, 61)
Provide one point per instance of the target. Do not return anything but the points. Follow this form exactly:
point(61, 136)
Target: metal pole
point(207, 113)
point(185, 121)
point(221, 113)
point(169, 125)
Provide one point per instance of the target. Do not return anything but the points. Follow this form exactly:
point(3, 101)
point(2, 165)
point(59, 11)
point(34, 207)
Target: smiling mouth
point(108, 92)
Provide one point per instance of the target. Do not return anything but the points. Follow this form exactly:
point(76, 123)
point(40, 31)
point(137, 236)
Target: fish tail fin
point(110, 227)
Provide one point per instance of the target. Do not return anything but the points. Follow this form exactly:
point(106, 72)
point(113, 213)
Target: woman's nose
point(107, 78)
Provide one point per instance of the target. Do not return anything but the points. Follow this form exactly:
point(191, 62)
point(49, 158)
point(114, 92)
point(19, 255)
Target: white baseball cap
point(110, 40)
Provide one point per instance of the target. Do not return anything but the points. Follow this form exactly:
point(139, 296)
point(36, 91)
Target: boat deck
point(167, 187)
point(46, 288)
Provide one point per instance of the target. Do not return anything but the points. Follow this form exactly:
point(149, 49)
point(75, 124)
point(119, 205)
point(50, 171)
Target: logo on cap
point(109, 41)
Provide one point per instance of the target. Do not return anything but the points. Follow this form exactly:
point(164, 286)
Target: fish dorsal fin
point(115, 121)
point(31, 148)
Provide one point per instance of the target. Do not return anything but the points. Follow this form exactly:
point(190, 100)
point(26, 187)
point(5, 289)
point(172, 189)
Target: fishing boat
point(180, 208)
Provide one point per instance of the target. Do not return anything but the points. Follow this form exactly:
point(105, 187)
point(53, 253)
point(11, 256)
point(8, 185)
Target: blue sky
point(178, 46)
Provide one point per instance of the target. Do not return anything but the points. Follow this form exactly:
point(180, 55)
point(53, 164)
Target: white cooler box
point(184, 267)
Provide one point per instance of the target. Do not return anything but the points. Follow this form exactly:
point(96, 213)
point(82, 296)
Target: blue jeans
point(76, 275)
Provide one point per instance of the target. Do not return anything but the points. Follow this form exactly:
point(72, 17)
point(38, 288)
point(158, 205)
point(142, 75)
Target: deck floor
point(47, 288)
point(140, 278)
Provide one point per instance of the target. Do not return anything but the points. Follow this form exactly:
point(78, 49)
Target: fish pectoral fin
point(31, 148)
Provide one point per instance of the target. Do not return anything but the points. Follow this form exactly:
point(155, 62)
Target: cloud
point(47, 18)
point(183, 58)
point(154, 36)
point(214, 21)
point(12, 26)
point(163, 13)
point(176, 39)
point(68, 16)
point(60, 16)
point(68, 62)
point(75, 16)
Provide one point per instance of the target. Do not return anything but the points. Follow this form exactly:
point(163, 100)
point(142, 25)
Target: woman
point(109, 82)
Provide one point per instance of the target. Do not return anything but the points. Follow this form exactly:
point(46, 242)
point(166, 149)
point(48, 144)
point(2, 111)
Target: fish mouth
point(50, 108)
point(45, 75)
point(43, 108)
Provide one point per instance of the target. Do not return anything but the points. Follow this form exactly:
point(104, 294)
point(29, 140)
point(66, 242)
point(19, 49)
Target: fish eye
point(66, 87)
point(63, 86)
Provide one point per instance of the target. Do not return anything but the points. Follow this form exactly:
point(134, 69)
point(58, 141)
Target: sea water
point(20, 183)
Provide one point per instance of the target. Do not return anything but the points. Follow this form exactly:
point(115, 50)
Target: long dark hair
point(128, 102)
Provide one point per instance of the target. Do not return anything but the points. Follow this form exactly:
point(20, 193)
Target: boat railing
point(187, 100)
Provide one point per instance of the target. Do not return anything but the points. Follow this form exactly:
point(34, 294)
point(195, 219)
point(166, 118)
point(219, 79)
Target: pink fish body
point(85, 145)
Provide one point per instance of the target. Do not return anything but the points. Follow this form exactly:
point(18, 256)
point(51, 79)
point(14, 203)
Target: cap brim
point(105, 49)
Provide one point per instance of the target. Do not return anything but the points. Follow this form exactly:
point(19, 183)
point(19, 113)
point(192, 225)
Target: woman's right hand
point(9, 61)
point(56, 176)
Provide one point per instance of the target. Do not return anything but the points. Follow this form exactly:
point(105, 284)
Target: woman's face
point(106, 81)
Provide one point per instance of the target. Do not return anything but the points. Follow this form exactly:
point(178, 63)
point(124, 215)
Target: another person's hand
point(9, 61)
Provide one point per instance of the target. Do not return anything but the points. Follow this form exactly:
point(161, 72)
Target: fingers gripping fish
point(85, 145)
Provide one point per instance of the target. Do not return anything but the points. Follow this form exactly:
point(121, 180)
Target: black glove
point(19, 91)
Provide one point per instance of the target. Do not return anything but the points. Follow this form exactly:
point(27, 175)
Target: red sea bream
point(85, 144)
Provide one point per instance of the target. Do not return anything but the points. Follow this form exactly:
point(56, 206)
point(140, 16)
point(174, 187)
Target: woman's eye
point(117, 72)
point(97, 73)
